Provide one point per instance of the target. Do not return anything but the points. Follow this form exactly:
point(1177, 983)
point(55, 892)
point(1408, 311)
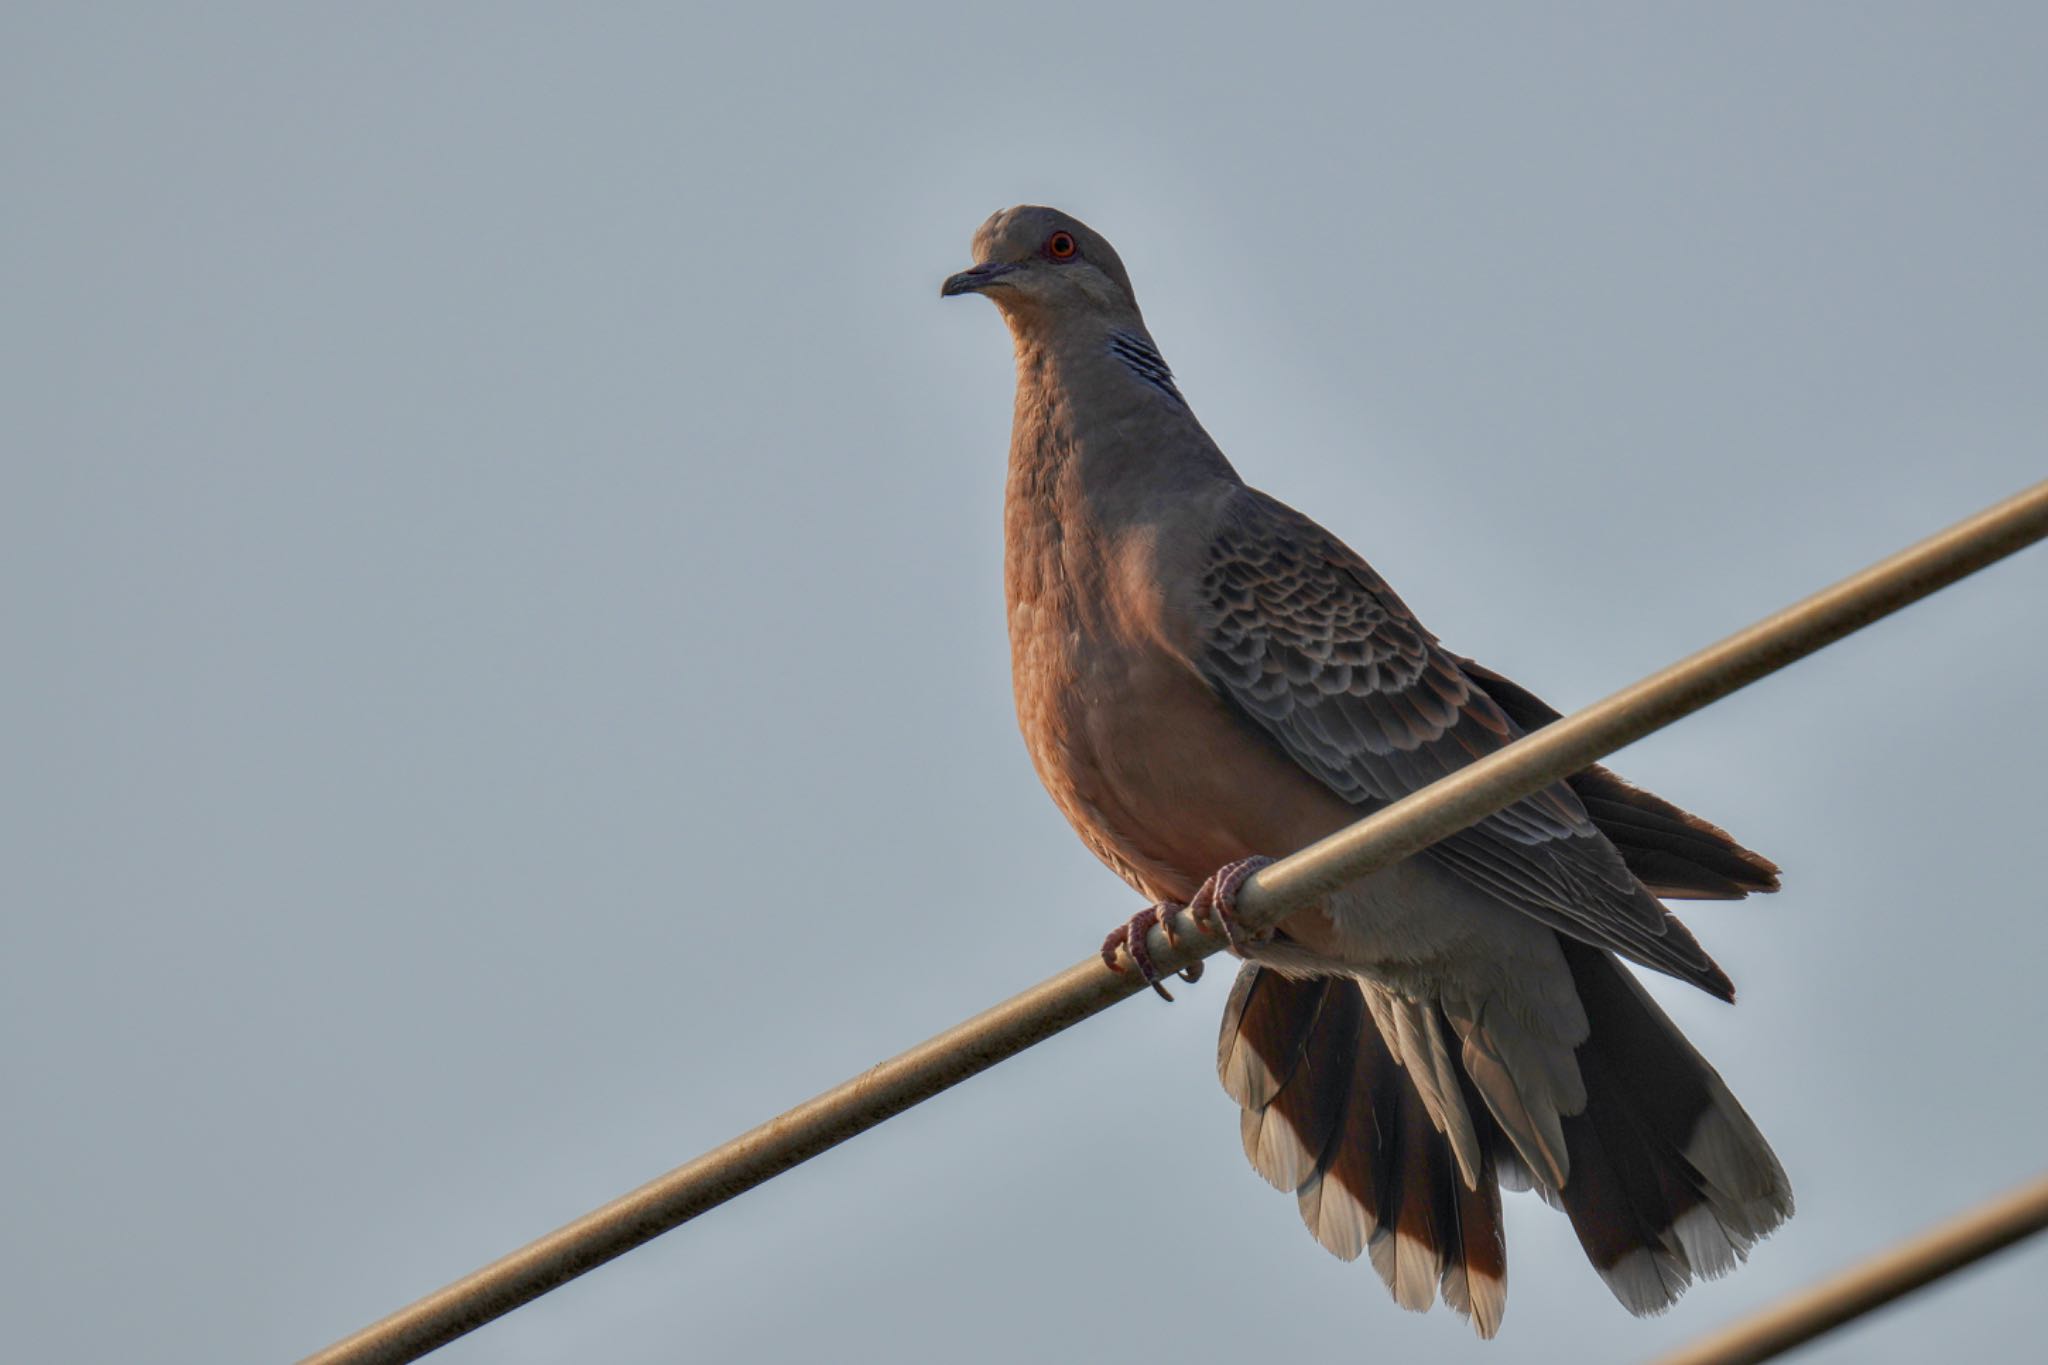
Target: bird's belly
point(1108, 730)
point(1111, 744)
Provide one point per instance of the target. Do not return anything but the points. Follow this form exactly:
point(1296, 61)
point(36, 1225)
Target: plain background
point(505, 677)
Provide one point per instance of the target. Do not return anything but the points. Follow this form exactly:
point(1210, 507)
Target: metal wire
point(1871, 1284)
point(1294, 883)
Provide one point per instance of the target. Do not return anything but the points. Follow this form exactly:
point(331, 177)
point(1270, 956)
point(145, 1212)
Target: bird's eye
point(1060, 246)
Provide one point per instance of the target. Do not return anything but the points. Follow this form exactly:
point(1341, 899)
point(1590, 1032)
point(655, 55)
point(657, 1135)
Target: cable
point(1870, 1285)
point(1086, 989)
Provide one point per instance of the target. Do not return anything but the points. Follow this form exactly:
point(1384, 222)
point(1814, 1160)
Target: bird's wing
point(1310, 645)
point(1672, 851)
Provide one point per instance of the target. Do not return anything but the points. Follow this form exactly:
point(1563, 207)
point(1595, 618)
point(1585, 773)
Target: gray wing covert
point(1318, 652)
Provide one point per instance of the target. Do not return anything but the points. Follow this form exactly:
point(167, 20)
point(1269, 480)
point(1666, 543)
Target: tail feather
point(1264, 1032)
point(1625, 1199)
point(1675, 1181)
point(1668, 1179)
point(1344, 1202)
point(1344, 1126)
point(1287, 1139)
point(1476, 1276)
point(1407, 1248)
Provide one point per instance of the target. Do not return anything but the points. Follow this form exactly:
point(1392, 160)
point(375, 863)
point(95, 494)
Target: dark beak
point(976, 280)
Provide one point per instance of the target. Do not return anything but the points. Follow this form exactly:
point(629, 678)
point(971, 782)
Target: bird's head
point(1040, 265)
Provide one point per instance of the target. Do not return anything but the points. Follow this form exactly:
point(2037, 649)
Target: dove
point(1207, 680)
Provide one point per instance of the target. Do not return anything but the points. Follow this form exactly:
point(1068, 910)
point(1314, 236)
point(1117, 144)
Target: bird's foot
point(1130, 938)
point(1214, 906)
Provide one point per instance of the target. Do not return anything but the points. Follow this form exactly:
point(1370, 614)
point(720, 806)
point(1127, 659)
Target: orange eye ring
point(1061, 246)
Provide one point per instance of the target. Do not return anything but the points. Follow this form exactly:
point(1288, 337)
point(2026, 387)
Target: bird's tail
point(1667, 1178)
point(1331, 1115)
point(1670, 1180)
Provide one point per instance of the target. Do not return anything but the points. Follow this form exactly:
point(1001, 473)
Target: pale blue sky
point(506, 679)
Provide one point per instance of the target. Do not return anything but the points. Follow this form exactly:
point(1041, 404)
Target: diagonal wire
point(1294, 883)
point(1870, 1284)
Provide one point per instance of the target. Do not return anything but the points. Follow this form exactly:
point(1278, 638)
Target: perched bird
point(1207, 680)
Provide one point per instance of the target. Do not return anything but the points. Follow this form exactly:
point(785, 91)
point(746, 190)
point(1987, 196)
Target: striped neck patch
point(1141, 360)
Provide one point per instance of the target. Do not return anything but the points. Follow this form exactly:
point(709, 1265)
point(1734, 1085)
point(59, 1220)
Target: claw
point(1130, 937)
point(1214, 906)
point(1164, 911)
